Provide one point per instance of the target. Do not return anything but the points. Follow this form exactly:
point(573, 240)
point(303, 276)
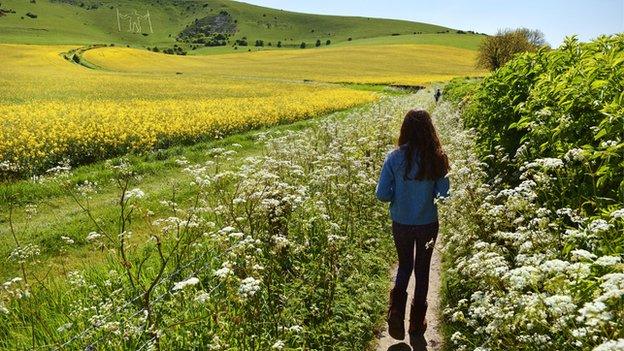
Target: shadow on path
point(400, 347)
point(416, 344)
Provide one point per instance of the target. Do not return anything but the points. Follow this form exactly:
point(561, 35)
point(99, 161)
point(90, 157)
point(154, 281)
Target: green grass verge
point(58, 214)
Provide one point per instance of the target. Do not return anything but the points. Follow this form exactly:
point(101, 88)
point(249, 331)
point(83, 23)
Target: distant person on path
point(411, 177)
point(437, 95)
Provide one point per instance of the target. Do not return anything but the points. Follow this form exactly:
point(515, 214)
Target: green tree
point(497, 50)
point(318, 42)
point(534, 36)
point(303, 45)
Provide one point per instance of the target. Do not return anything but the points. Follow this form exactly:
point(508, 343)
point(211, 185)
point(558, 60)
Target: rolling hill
point(94, 21)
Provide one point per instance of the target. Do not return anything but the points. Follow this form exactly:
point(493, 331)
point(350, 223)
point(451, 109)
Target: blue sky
point(556, 18)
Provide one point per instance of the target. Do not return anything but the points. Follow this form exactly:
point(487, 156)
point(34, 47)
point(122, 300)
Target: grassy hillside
point(462, 41)
point(92, 21)
point(453, 39)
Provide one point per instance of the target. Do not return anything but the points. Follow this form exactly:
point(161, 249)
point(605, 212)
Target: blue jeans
point(421, 238)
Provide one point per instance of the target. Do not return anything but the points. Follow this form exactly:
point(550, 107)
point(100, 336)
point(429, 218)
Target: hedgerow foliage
point(548, 103)
point(535, 229)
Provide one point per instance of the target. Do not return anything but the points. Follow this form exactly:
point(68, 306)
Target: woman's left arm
point(385, 186)
point(442, 187)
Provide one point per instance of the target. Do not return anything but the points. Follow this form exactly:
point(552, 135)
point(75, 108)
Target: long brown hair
point(419, 137)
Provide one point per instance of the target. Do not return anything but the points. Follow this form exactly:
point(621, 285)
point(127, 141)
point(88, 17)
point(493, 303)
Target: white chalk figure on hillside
point(134, 21)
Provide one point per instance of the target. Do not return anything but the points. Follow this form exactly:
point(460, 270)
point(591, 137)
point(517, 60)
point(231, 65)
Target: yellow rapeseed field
point(405, 64)
point(51, 109)
point(35, 134)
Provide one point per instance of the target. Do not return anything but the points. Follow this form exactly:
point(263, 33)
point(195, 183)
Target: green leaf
point(600, 134)
point(598, 84)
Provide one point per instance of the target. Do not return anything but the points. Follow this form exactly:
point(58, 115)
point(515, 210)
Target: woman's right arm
point(385, 186)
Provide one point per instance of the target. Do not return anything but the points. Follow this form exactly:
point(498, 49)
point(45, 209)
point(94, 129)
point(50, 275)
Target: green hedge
point(547, 103)
point(534, 234)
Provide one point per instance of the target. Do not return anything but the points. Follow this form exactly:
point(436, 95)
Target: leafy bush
point(241, 42)
point(548, 103)
point(460, 90)
point(535, 231)
point(4, 12)
point(212, 30)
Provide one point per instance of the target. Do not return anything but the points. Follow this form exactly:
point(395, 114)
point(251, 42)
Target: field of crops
point(535, 238)
point(200, 175)
point(53, 110)
point(397, 63)
point(226, 202)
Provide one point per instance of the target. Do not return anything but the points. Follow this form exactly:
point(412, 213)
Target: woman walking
point(411, 177)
